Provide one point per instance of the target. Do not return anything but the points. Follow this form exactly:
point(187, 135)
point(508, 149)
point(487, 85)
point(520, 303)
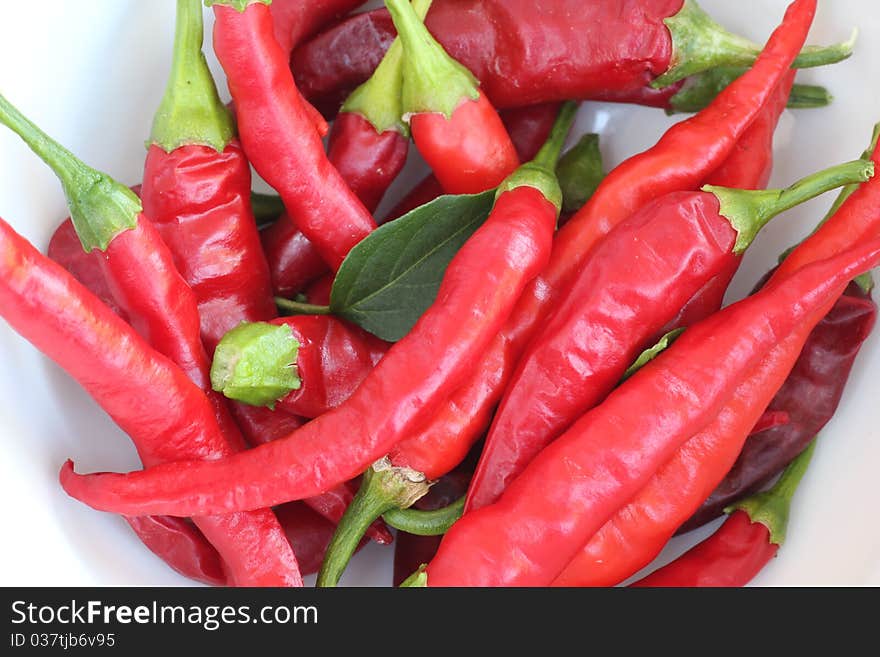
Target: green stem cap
point(580, 172)
point(100, 207)
point(238, 5)
point(433, 82)
point(255, 363)
point(771, 508)
point(384, 487)
point(379, 99)
point(540, 173)
point(700, 44)
point(749, 210)
point(700, 90)
point(425, 523)
point(191, 111)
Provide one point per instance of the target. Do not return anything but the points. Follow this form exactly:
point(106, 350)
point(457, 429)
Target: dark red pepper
point(525, 53)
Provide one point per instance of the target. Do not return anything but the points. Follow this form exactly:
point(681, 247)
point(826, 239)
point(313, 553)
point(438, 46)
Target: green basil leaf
point(390, 278)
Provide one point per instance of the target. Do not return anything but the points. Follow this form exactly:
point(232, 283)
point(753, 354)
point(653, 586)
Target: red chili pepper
point(454, 126)
point(297, 20)
point(277, 134)
point(636, 533)
point(616, 308)
point(369, 142)
point(331, 359)
point(744, 544)
point(570, 490)
point(180, 544)
point(525, 53)
point(406, 387)
point(528, 128)
point(173, 419)
point(680, 161)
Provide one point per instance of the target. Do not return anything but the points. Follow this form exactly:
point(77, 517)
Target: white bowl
point(91, 73)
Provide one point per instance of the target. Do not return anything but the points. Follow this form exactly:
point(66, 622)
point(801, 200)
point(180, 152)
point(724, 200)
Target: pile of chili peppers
point(552, 388)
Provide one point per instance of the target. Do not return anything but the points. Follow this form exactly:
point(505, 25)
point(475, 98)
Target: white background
point(91, 73)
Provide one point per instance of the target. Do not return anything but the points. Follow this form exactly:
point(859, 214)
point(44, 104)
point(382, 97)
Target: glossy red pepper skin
point(199, 200)
point(278, 136)
point(309, 534)
point(570, 490)
point(637, 532)
point(296, 20)
point(806, 402)
point(293, 261)
point(731, 557)
point(402, 391)
point(66, 249)
point(367, 160)
point(173, 418)
point(613, 310)
point(522, 52)
point(471, 151)
point(681, 161)
point(182, 546)
point(334, 358)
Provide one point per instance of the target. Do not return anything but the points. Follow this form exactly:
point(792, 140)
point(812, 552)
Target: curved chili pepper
point(197, 192)
point(525, 53)
point(614, 309)
point(682, 159)
point(454, 126)
point(744, 544)
point(636, 532)
point(407, 386)
point(173, 418)
point(569, 491)
point(398, 480)
point(806, 401)
point(278, 136)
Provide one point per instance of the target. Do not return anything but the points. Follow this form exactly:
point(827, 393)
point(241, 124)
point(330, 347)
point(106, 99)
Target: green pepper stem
point(100, 207)
point(540, 173)
point(191, 111)
point(290, 307)
point(384, 487)
point(700, 44)
point(433, 82)
point(700, 90)
point(772, 507)
point(255, 363)
point(549, 154)
point(580, 172)
point(267, 208)
point(425, 523)
point(378, 99)
point(749, 210)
